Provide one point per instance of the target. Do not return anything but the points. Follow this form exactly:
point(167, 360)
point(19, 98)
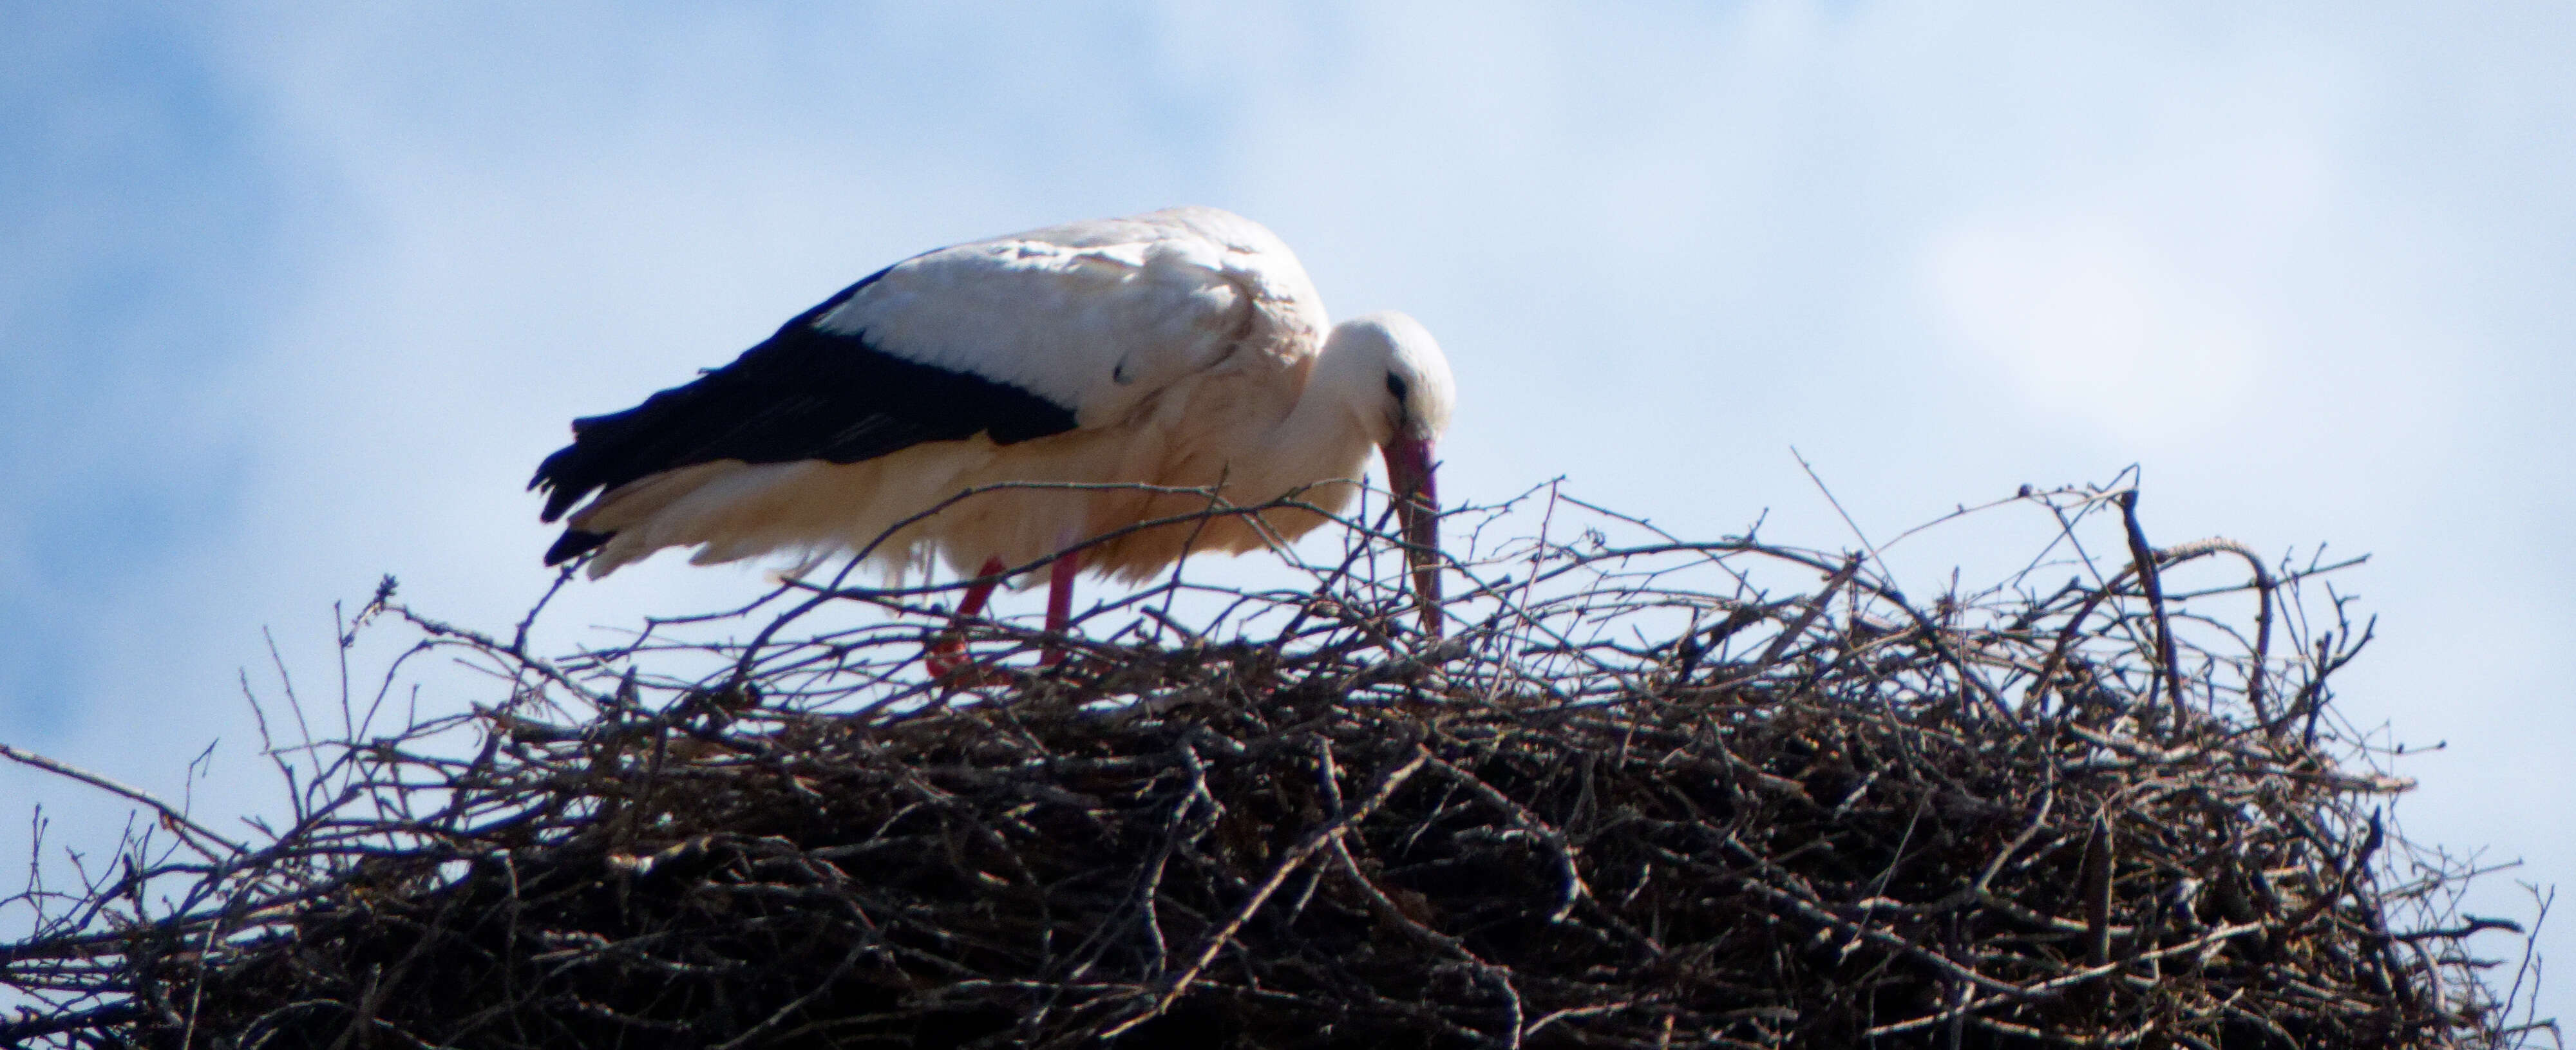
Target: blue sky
point(294, 295)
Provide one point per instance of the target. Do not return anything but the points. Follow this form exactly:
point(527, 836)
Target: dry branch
point(1643, 795)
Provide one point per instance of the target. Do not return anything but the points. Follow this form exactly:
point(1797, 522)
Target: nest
point(1644, 793)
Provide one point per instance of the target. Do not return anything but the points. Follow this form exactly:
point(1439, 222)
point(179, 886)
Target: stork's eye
point(1395, 385)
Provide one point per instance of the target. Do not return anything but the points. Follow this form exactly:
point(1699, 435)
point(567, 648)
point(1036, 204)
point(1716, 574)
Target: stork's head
point(1406, 422)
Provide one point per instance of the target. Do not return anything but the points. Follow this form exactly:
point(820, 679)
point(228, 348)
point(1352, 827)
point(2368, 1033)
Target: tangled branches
point(1646, 792)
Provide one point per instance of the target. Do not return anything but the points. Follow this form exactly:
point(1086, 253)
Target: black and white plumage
point(1182, 348)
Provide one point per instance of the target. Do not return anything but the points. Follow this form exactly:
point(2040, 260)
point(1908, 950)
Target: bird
point(1102, 374)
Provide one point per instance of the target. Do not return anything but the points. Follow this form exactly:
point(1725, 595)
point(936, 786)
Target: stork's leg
point(948, 652)
point(981, 591)
point(1060, 576)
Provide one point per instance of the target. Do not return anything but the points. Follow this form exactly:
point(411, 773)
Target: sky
point(293, 296)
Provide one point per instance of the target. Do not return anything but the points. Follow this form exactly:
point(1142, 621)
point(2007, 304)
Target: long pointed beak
point(1409, 473)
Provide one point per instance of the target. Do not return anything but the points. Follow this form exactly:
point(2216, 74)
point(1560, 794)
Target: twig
point(171, 816)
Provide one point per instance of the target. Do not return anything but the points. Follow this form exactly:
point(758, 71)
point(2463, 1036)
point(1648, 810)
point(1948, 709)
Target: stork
point(1182, 349)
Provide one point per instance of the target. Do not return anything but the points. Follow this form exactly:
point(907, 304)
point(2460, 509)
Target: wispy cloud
point(297, 294)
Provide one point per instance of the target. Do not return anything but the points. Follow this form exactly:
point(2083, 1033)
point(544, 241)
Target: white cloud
point(2092, 327)
point(2306, 267)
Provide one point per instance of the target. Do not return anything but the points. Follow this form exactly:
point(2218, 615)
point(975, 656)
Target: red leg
point(981, 591)
point(948, 652)
point(1060, 576)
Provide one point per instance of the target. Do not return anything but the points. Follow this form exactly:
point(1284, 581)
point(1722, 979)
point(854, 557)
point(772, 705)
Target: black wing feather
point(801, 394)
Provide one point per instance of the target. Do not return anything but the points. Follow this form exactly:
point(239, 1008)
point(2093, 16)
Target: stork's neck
point(1327, 435)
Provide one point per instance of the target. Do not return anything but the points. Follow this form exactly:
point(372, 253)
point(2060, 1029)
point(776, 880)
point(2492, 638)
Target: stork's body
point(1179, 349)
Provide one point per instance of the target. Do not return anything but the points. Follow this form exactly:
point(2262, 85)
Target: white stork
point(1182, 349)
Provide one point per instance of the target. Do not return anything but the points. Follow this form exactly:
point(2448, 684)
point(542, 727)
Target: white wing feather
point(1095, 316)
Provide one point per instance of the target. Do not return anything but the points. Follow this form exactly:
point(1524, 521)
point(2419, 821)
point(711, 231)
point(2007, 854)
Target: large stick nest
point(1644, 793)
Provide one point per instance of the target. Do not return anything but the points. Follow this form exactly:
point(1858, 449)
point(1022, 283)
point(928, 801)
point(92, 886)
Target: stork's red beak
point(1417, 506)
